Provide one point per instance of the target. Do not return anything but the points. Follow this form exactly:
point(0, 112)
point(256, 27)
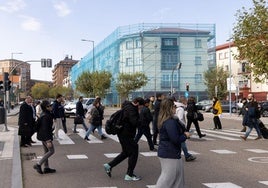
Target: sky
point(35, 29)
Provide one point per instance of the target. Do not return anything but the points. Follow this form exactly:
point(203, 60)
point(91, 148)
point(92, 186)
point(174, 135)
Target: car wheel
point(265, 113)
point(234, 110)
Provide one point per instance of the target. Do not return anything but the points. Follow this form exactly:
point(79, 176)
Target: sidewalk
point(10, 162)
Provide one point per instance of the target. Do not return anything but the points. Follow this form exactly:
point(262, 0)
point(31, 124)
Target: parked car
point(264, 108)
point(225, 107)
point(203, 103)
point(70, 108)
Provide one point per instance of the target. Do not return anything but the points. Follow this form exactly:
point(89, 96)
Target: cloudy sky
point(54, 28)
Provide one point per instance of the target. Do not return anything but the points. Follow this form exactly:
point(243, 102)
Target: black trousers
point(155, 131)
point(217, 122)
point(189, 123)
point(147, 133)
point(130, 150)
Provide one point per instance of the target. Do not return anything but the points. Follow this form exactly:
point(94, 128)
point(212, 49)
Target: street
point(223, 160)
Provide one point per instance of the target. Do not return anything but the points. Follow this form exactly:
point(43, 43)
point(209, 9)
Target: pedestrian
point(180, 114)
point(159, 98)
point(151, 104)
point(38, 109)
point(80, 112)
point(45, 134)
point(253, 114)
point(244, 116)
point(62, 114)
point(57, 109)
point(95, 120)
point(126, 138)
point(169, 151)
point(26, 122)
point(144, 125)
point(191, 110)
point(217, 111)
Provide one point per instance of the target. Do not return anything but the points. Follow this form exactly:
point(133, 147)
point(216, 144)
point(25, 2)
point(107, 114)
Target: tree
point(130, 82)
point(95, 83)
point(216, 77)
point(40, 91)
point(251, 38)
point(64, 91)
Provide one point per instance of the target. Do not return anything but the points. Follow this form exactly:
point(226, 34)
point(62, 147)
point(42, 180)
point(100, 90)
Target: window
point(221, 56)
point(129, 61)
point(138, 43)
point(169, 42)
point(129, 45)
point(198, 43)
point(165, 82)
point(198, 60)
point(198, 78)
point(243, 67)
point(169, 60)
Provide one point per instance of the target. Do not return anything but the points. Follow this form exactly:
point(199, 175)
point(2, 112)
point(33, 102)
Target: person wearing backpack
point(253, 114)
point(126, 137)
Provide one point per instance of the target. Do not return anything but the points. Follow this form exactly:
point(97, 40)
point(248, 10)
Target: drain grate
point(28, 156)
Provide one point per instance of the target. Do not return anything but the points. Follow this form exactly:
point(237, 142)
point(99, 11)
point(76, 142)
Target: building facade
point(61, 71)
point(155, 50)
point(241, 78)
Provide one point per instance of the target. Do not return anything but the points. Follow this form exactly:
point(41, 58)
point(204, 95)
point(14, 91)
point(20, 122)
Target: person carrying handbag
point(217, 111)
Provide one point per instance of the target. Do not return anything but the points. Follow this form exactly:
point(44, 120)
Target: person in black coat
point(45, 134)
point(159, 98)
point(80, 112)
point(144, 127)
point(191, 110)
point(26, 122)
point(130, 148)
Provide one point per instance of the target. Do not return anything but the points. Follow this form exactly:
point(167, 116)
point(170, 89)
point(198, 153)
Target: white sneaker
point(132, 178)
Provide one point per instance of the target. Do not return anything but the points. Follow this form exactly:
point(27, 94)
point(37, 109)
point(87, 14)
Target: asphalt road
point(223, 160)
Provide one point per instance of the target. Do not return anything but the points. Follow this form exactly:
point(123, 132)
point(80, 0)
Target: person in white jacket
point(180, 113)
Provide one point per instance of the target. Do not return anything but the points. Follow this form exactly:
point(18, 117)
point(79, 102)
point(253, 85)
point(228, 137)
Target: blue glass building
point(156, 50)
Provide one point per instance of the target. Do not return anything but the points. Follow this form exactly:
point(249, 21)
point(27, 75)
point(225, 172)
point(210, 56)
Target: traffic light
point(187, 87)
point(7, 85)
point(1, 85)
point(46, 62)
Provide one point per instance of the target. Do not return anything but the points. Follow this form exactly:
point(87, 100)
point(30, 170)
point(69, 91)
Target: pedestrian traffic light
point(46, 62)
point(1, 85)
point(187, 87)
point(7, 85)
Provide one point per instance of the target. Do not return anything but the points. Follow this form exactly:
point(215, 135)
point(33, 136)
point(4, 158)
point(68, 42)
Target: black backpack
point(115, 123)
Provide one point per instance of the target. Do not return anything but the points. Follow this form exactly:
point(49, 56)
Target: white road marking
point(149, 154)
point(264, 182)
point(92, 139)
point(257, 150)
point(77, 157)
point(111, 155)
point(223, 151)
point(221, 185)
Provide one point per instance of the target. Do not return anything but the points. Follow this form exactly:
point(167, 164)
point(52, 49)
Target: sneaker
point(259, 137)
point(103, 137)
point(244, 138)
point(202, 135)
point(107, 169)
point(86, 138)
point(38, 168)
point(132, 178)
point(49, 170)
point(190, 158)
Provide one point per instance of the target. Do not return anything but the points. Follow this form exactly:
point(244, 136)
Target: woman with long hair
point(171, 136)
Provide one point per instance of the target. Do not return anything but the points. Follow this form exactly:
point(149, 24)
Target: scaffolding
point(155, 49)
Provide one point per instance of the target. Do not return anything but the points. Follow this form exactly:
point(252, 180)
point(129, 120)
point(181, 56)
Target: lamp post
point(230, 76)
point(178, 66)
point(11, 73)
point(93, 58)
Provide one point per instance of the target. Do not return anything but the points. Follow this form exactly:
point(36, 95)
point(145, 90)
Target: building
point(241, 79)
point(61, 71)
point(156, 50)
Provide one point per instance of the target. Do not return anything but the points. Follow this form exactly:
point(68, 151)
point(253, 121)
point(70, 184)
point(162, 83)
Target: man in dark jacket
point(130, 148)
point(159, 98)
point(26, 122)
point(80, 112)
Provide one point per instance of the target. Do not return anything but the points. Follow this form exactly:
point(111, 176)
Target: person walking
point(244, 116)
point(191, 110)
point(80, 112)
point(217, 111)
point(26, 122)
point(180, 114)
point(159, 98)
point(45, 134)
point(129, 147)
point(38, 109)
point(95, 120)
point(253, 114)
point(144, 128)
point(57, 114)
point(171, 136)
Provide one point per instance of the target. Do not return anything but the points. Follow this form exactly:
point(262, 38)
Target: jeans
point(253, 123)
point(185, 150)
point(93, 127)
point(84, 125)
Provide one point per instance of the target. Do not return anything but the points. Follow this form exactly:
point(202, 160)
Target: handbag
point(78, 120)
point(200, 116)
point(214, 111)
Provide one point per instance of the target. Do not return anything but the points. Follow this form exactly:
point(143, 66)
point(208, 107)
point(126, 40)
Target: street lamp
point(86, 40)
point(178, 66)
point(230, 76)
